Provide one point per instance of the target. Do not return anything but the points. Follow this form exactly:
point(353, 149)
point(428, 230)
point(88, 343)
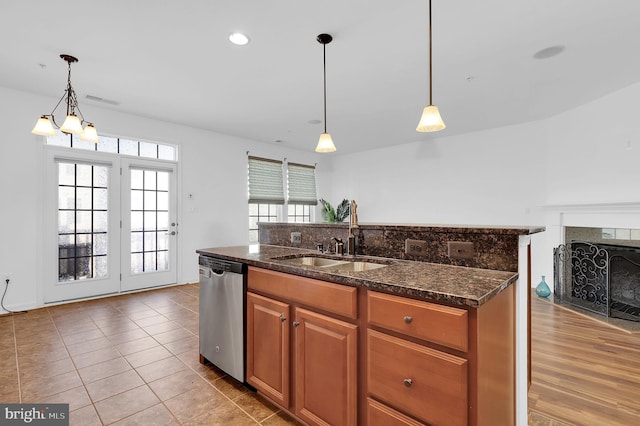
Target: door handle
point(171, 233)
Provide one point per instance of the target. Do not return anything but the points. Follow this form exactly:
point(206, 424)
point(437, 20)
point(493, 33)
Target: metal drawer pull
point(296, 323)
point(408, 319)
point(283, 318)
point(408, 382)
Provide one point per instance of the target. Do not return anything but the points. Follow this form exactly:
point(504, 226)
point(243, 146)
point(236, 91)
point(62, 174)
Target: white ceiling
point(171, 60)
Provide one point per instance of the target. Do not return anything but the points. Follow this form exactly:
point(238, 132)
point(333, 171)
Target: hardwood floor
point(584, 372)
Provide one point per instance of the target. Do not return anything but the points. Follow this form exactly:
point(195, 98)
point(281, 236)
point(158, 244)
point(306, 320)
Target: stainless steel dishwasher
point(222, 301)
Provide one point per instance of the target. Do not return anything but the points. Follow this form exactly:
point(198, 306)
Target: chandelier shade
point(44, 127)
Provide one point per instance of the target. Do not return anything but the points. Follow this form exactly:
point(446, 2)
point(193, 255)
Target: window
point(299, 213)
point(261, 213)
point(266, 193)
point(116, 146)
point(301, 192)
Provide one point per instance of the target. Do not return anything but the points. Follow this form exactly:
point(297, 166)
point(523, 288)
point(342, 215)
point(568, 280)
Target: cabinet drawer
point(381, 415)
point(439, 324)
point(334, 298)
point(426, 383)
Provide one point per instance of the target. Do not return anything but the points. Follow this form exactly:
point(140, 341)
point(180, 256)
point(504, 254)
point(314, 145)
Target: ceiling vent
point(102, 100)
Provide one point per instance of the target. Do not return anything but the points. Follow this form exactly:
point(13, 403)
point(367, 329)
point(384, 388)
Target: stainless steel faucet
point(353, 224)
point(339, 245)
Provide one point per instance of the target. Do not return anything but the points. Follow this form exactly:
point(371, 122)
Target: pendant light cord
point(430, 60)
point(324, 61)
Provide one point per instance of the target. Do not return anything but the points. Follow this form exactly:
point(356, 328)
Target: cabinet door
point(268, 347)
point(325, 369)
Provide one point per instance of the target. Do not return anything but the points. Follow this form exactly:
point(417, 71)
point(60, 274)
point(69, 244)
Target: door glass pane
point(84, 198)
point(136, 179)
point(136, 199)
point(100, 198)
point(82, 221)
point(84, 175)
point(149, 213)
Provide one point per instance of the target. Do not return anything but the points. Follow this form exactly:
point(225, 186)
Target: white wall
point(504, 176)
point(212, 168)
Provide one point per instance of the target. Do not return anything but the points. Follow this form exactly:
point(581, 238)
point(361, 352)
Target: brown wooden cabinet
point(336, 355)
point(440, 365)
point(268, 351)
point(299, 339)
point(325, 369)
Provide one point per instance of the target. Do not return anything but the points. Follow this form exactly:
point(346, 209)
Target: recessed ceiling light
point(549, 52)
point(238, 39)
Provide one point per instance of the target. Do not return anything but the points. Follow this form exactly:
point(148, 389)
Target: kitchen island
point(405, 343)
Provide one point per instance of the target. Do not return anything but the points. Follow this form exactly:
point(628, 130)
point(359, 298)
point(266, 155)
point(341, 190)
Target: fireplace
point(599, 276)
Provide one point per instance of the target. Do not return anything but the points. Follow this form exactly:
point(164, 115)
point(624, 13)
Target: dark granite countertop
point(440, 283)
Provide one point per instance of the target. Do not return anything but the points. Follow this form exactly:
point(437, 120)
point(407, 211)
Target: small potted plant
point(337, 215)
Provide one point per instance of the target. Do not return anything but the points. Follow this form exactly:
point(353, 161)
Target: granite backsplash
point(493, 247)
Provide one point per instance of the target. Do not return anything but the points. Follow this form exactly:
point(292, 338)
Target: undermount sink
point(357, 266)
point(334, 264)
point(315, 261)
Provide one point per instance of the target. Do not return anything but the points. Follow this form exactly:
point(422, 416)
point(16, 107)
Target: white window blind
point(301, 184)
point(265, 181)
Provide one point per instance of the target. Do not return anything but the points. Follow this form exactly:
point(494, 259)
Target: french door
point(149, 226)
point(110, 224)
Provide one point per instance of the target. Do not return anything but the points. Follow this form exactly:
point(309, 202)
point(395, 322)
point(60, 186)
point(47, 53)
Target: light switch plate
point(415, 247)
point(296, 237)
point(460, 250)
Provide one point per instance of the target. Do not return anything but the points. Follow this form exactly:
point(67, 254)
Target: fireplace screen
point(601, 278)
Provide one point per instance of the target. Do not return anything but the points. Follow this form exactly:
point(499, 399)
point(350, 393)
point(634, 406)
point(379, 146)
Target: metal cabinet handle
point(408, 319)
point(408, 382)
point(283, 318)
point(296, 323)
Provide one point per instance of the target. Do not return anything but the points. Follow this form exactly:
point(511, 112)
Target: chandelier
point(72, 124)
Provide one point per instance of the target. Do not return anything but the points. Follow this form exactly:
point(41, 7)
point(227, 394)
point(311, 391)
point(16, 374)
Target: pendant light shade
point(89, 134)
point(71, 124)
point(431, 121)
point(44, 127)
point(325, 143)
point(74, 122)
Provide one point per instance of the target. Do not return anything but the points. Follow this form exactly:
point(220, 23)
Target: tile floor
point(124, 360)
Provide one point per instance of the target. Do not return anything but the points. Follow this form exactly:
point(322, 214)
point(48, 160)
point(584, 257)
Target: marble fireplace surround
point(584, 222)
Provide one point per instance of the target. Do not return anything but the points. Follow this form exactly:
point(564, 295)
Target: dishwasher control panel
point(221, 265)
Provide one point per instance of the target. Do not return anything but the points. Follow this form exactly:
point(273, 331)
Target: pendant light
point(72, 124)
point(325, 143)
point(430, 120)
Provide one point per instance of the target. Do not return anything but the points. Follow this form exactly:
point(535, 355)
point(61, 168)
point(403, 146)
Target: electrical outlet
point(460, 250)
point(415, 247)
point(296, 237)
point(5, 277)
